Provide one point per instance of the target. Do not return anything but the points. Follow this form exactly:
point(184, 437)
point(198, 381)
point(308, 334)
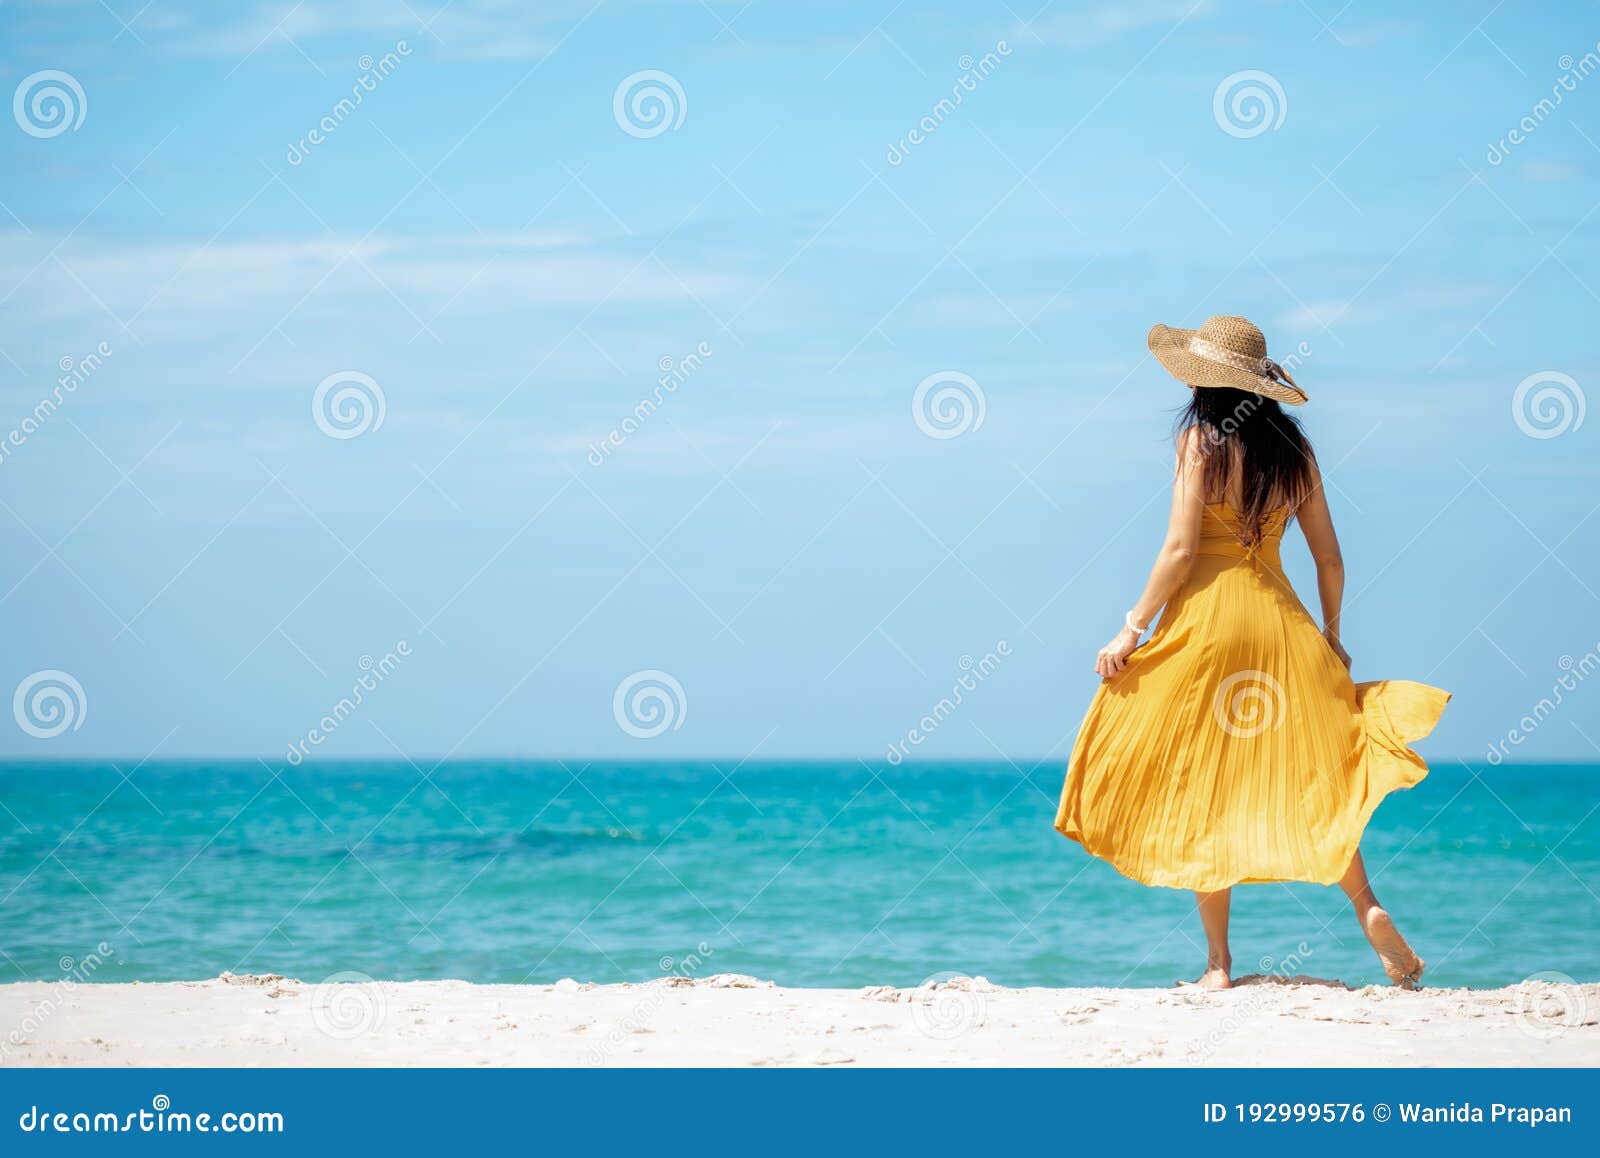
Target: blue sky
point(483, 239)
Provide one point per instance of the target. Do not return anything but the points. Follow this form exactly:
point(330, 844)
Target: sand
point(729, 1020)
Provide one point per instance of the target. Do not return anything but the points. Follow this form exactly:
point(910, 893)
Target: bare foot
point(1402, 965)
point(1215, 977)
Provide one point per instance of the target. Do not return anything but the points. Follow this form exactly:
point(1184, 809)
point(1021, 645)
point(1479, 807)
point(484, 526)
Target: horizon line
point(437, 762)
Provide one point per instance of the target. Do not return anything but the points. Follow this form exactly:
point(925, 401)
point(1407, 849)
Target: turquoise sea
point(814, 874)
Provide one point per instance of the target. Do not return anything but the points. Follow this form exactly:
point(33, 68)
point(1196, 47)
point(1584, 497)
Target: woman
point(1232, 746)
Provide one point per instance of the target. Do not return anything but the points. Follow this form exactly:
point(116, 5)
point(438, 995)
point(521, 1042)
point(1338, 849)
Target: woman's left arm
point(1173, 564)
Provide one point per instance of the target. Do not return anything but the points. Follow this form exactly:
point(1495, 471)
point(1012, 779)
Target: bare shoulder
point(1315, 500)
point(1190, 449)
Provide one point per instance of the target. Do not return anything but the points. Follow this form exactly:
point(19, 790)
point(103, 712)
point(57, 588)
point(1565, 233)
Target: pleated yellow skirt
point(1234, 747)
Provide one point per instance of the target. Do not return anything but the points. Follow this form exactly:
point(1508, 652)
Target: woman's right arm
point(1177, 554)
point(1316, 521)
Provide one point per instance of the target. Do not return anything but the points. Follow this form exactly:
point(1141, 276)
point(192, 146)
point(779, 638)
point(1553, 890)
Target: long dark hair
point(1243, 435)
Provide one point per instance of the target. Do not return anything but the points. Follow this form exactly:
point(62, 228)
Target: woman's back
point(1232, 746)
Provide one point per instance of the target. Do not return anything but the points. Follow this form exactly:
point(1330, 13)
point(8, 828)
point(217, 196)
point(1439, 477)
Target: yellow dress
point(1234, 746)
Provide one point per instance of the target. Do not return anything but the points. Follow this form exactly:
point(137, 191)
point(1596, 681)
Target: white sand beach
point(730, 1020)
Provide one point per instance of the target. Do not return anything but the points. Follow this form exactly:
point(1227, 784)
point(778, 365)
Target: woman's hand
point(1338, 649)
point(1113, 656)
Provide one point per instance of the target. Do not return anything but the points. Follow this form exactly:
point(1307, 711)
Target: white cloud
point(1374, 33)
point(1550, 171)
point(1316, 315)
point(145, 278)
point(1085, 29)
point(477, 29)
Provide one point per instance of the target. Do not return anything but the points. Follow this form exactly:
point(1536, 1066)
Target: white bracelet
point(1127, 621)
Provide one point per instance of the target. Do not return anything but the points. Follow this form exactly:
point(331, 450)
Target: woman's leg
point(1402, 965)
point(1214, 917)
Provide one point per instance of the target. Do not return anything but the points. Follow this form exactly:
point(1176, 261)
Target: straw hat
point(1224, 351)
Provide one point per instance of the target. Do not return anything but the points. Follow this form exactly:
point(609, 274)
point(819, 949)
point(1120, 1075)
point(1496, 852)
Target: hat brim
point(1170, 345)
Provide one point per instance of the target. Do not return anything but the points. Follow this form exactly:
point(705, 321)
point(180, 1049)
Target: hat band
point(1262, 367)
